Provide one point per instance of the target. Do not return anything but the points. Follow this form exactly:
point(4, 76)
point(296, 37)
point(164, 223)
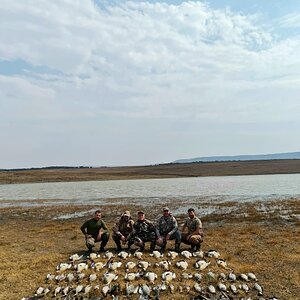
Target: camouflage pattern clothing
point(122, 228)
point(192, 224)
point(143, 231)
point(167, 225)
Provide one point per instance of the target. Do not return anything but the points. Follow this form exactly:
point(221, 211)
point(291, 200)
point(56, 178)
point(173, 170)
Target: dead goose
point(251, 276)
point(65, 290)
point(131, 289)
point(80, 276)
point(63, 267)
point(151, 276)
point(186, 254)
point(198, 254)
point(75, 257)
point(78, 289)
point(211, 275)
point(156, 254)
point(145, 290)
point(99, 265)
point(131, 276)
point(109, 277)
point(130, 265)
point(105, 290)
point(222, 287)
point(108, 255)
point(70, 277)
point(232, 276)
point(182, 264)
point(50, 277)
point(93, 256)
point(60, 277)
point(197, 287)
point(124, 254)
point(245, 288)
point(81, 266)
point(168, 276)
point(258, 288)
point(233, 289)
point(57, 290)
point(164, 264)
point(92, 277)
point(172, 288)
point(211, 289)
point(222, 263)
point(198, 277)
point(138, 254)
point(244, 277)
point(114, 265)
point(202, 264)
point(172, 254)
point(39, 291)
point(213, 253)
point(144, 264)
point(185, 275)
point(222, 276)
point(87, 289)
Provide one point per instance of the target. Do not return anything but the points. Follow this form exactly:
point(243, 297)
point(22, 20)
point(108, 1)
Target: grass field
point(33, 242)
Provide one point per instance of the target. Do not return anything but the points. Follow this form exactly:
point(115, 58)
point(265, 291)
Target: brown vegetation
point(32, 244)
point(153, 171)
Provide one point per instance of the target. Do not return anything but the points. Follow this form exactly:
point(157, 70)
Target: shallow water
point(153, 191)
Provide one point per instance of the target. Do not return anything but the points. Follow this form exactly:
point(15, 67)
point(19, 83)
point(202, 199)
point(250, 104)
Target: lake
point(149, 191)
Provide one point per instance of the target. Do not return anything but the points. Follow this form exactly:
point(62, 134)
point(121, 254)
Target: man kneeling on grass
point(194, 236)
point(143, 231)
point(95, 231)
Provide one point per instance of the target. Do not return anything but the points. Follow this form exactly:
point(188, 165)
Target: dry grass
point(153, 171)
point(32, 244)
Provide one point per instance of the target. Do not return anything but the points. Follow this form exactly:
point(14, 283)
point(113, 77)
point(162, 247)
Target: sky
point(110, 83)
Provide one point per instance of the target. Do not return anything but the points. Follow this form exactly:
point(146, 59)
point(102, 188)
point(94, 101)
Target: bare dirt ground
point(33, 243)
point(290, 166)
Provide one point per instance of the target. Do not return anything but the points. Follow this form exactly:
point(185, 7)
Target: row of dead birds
point(145, 291)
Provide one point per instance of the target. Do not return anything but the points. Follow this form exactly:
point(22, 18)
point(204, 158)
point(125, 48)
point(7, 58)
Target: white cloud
point(146, 61)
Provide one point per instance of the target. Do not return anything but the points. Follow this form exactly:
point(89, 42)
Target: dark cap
point(191, 209)
point(140, 212)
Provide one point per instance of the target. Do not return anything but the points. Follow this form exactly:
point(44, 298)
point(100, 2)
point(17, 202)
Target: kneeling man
point(167, 229)
point(194, 234)
point(95, 230)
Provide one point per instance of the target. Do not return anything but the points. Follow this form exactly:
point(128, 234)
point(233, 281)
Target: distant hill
point(290, 155)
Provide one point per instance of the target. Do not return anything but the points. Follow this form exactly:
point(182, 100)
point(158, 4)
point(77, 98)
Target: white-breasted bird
point(138, 254)
point(63, 267)
point(172, 254)
point(197, 287)
point(202, 264)
point(258, 288)
point(92, 277)
point(211, 289)
point(144, 264)
point(186, 254)
point(124, 254)
point(182, 264)
point(130, 265)
point(213, 253)
point(81, 266)
point(151, 276)
point(156, 254)
point(168, 276)
point(108, 255)
point(109, 277)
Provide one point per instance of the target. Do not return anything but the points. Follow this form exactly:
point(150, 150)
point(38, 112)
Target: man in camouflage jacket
point(143, 231)
point(122, 229)
point(167, 229)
